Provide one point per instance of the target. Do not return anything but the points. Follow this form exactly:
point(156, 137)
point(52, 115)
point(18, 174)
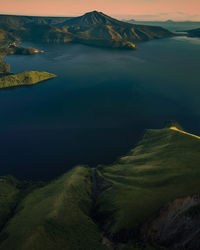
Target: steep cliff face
point(177, 225)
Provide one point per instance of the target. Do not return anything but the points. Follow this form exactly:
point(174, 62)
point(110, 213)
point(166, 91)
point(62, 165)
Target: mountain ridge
point(153, 186)
point(194, 32)
point(93, 28)
point(91, 18)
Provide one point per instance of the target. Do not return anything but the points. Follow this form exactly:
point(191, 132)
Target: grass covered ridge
point(55, 216)
point(60, 215)
point(9, 194)
point(24, 78)
point(163, 166)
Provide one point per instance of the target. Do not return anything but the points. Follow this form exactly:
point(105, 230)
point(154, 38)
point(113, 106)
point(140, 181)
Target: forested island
point(7, 79)
point(24, 78)
point(11, 48)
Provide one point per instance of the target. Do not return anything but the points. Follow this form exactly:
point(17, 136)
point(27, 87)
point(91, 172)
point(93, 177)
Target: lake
point(99, 105)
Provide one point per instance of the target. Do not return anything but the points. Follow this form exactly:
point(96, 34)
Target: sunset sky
point(137, 9)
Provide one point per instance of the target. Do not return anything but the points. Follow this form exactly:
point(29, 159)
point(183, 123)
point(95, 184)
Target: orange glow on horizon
point(138, 9)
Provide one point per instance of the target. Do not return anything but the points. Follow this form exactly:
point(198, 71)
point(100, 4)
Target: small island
point(9, 80)
point(24, 78)
point(13, 49)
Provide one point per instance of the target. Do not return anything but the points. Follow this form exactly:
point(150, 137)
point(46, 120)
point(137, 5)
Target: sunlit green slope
point(24, 78)
point(162, 167)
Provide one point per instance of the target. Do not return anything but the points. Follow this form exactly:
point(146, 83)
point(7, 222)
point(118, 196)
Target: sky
point(121, 9)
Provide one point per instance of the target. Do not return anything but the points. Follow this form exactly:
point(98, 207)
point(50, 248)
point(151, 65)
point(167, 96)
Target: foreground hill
point(163, 167)
point(94, 28)
point(24, 78)
point(147, 199)
point(54, 217)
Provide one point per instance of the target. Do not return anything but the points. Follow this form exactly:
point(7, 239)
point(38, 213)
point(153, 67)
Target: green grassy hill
point(161, 168)
point(147, 199)
point(54, 217)
point(9, 195)
point(24, 78)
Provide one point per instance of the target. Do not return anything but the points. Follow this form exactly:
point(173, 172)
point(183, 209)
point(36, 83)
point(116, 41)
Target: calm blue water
point(98, 106)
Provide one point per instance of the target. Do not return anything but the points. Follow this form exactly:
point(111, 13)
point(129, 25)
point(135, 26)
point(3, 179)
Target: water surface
point(98, 106)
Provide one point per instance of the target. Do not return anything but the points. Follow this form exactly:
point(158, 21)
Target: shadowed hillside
point(94, 28)
point(147, 199)
point(54, 217)
point(163, 167)
point(194, 32)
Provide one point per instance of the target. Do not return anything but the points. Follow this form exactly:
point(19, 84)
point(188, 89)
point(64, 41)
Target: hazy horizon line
point(131, 17)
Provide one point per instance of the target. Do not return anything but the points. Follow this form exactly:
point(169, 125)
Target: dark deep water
point(98, 106)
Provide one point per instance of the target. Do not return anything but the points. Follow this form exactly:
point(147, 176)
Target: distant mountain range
point(194, 32)
point(94, 28)
point(169, 24)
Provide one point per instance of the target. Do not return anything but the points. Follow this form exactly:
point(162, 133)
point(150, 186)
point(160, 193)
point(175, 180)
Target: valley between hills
point(147, 199)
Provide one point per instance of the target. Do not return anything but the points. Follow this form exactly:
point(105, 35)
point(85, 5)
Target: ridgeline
point(93, 28)
point(134, 203)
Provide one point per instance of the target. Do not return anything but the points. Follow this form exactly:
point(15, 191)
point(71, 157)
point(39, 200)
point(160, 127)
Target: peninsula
point(11, 48)
point(7, 79)
point(133, 203)
point(24, 78)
